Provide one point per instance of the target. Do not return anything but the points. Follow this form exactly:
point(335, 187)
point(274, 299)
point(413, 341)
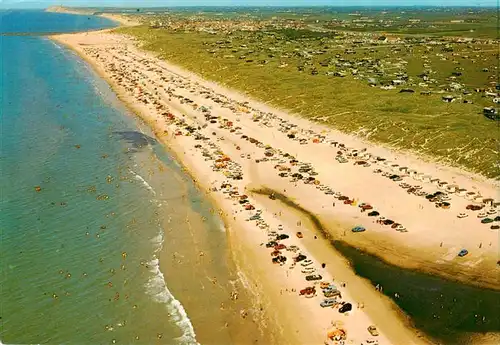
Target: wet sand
point(196, 260)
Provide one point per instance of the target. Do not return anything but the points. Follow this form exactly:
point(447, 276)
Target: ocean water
point(91, 205)
point(36, 22)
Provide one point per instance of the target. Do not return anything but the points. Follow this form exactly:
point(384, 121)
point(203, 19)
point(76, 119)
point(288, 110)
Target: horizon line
point(282, 6)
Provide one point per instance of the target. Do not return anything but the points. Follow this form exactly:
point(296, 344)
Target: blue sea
point(100, 229)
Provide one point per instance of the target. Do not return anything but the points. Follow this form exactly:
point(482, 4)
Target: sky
point(159, 3)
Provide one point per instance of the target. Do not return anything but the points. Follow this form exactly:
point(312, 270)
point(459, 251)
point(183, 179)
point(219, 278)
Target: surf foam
point(157, 288)
point(144, 182)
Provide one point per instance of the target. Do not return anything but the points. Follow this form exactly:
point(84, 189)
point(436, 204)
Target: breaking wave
point(160, 293)
point(144, 182)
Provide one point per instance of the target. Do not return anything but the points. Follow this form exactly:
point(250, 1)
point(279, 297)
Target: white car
point(481, 215)
point(462, 215)
point(401, 228)
point(306, 263)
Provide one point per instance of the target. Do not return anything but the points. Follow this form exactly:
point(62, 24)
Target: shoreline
point(192, 166)
point(234, 245)
point(117, 18)
point(262, 280)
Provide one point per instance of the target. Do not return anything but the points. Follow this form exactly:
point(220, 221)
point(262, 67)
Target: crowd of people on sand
point(153, 85)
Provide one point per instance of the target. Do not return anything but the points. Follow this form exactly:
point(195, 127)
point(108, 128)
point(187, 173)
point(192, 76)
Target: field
point(389, 88)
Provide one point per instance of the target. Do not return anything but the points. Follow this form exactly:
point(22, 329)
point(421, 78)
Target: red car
point(474, 207)
point(308, 290)
point(280, 246)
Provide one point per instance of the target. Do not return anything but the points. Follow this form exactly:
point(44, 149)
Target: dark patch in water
point(138, 140)
point(445, 310)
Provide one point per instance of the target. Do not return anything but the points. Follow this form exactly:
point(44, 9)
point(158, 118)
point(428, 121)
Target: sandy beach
point(123, 20)
point(233, 146)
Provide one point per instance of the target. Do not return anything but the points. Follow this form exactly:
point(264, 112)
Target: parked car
point(314, 277)
point(463, 253)
point(299, 258)
point(308, 270)
point(271, 244)
point(358, 229)
point(308, 290)
point(401, 228)
point(345, 308)
point(332, 293)
point(373, 330)
point(474, 207)
point(329, 302)
point(373, 214)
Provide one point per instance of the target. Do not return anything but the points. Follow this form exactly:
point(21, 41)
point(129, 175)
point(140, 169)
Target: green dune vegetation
point(422, 93)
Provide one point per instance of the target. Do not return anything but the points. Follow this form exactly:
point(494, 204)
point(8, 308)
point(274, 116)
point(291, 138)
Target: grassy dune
point(453, 133)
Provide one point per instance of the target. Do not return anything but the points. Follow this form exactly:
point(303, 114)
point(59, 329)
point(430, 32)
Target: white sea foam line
point(140, 178)
point(157, 288)
point(222, 227)
point(243, 279)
